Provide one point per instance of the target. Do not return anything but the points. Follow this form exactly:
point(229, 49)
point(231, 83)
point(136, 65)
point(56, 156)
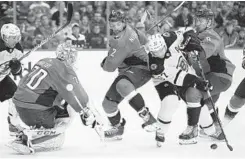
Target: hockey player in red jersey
point(128, 55)
point(236, 102)
point(217, 68)
point(40, 102)
point(10, 50)
point(167, 63)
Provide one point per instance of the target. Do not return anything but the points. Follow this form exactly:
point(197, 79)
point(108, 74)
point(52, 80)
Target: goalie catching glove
point(88, 117)
point(15, 66)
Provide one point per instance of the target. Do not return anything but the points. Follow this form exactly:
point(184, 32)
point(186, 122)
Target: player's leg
point(193, 99)
point(127, 86)
point(110, 105)
point(220, 85)
point(235, 104)
point(7, 90)
point(169, 104)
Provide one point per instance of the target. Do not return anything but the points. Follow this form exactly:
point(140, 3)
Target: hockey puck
point(213, 146)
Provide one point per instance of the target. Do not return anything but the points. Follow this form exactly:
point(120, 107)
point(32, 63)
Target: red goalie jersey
point(46, 86)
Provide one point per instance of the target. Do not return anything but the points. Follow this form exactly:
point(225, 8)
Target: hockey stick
point(213, 105)
point(165, 17)
point(69, 16)
point(99, 124)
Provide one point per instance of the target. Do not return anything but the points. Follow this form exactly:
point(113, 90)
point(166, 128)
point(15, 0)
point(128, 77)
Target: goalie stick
point(69, 16)
point(99, 123)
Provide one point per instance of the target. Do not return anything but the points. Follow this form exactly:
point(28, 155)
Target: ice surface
point(83, 142)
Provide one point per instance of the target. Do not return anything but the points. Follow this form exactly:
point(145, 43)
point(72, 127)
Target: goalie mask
point(67, 52)
point(10, 34)
point(156, 45)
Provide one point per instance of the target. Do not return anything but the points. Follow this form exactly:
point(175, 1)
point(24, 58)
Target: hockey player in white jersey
point(10, 50)
point(167, 63)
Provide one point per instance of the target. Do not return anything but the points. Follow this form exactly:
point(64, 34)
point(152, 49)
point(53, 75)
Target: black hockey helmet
point(205, 13)
point(118, 15)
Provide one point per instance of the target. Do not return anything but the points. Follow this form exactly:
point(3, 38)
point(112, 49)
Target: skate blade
point(115, 138)
point(159, 144)
point(210, 138)
point(22, 149)
point(99, 130)
point(188, 142)
point(151, 128)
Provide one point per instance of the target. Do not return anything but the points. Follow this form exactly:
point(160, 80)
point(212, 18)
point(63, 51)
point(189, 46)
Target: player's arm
point(15, 64)
point(177, 72)
point(70, 89)
point(209, 45)
point(114, 59)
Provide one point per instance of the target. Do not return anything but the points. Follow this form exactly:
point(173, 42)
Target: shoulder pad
point(19, 47)
point(169, 37)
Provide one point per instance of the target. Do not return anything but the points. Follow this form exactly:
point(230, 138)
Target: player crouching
point(39, 100)
point(167, 63)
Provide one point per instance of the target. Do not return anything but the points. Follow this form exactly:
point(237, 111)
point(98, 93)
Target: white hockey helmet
point(67, 52)
point(157, 45)
point(10, 34)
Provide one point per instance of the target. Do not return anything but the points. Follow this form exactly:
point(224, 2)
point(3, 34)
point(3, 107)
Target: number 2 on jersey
point(38, 75)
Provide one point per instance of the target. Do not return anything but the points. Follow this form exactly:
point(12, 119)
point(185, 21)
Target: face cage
point(11, 41)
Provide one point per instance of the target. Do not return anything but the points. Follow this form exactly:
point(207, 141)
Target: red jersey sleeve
point(66, 78)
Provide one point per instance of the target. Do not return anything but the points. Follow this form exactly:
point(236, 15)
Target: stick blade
point(69, 12)
point(230, 147)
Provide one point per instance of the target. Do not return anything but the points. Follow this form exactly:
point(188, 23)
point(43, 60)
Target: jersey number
point(113, 52)
point(37, 76)
point(182, 64)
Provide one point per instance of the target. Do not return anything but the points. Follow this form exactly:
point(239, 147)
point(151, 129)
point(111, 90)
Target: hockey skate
point(21, 145)
point(150, 124)
point(189, 136)
point(116, 132)
point(159, 138)
point(217, 136)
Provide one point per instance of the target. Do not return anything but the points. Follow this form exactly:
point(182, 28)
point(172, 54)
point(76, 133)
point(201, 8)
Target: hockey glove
point(88, 117)
point(15, 66)
point(193, 81)
point(203, 85)
point(191, 42)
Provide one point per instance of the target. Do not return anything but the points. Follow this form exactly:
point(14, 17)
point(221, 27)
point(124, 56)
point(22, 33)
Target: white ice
point(83, 142)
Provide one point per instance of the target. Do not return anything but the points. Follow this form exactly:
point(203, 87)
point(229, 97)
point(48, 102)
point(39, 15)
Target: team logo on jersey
point(166, 34)
point(208, 38)
point(153, 66)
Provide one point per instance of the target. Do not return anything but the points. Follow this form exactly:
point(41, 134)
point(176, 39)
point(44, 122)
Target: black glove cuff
point(189, 80)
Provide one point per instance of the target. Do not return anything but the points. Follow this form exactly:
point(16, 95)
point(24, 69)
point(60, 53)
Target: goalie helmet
point(10, 34)
point(67, 52)
point(157, 45)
